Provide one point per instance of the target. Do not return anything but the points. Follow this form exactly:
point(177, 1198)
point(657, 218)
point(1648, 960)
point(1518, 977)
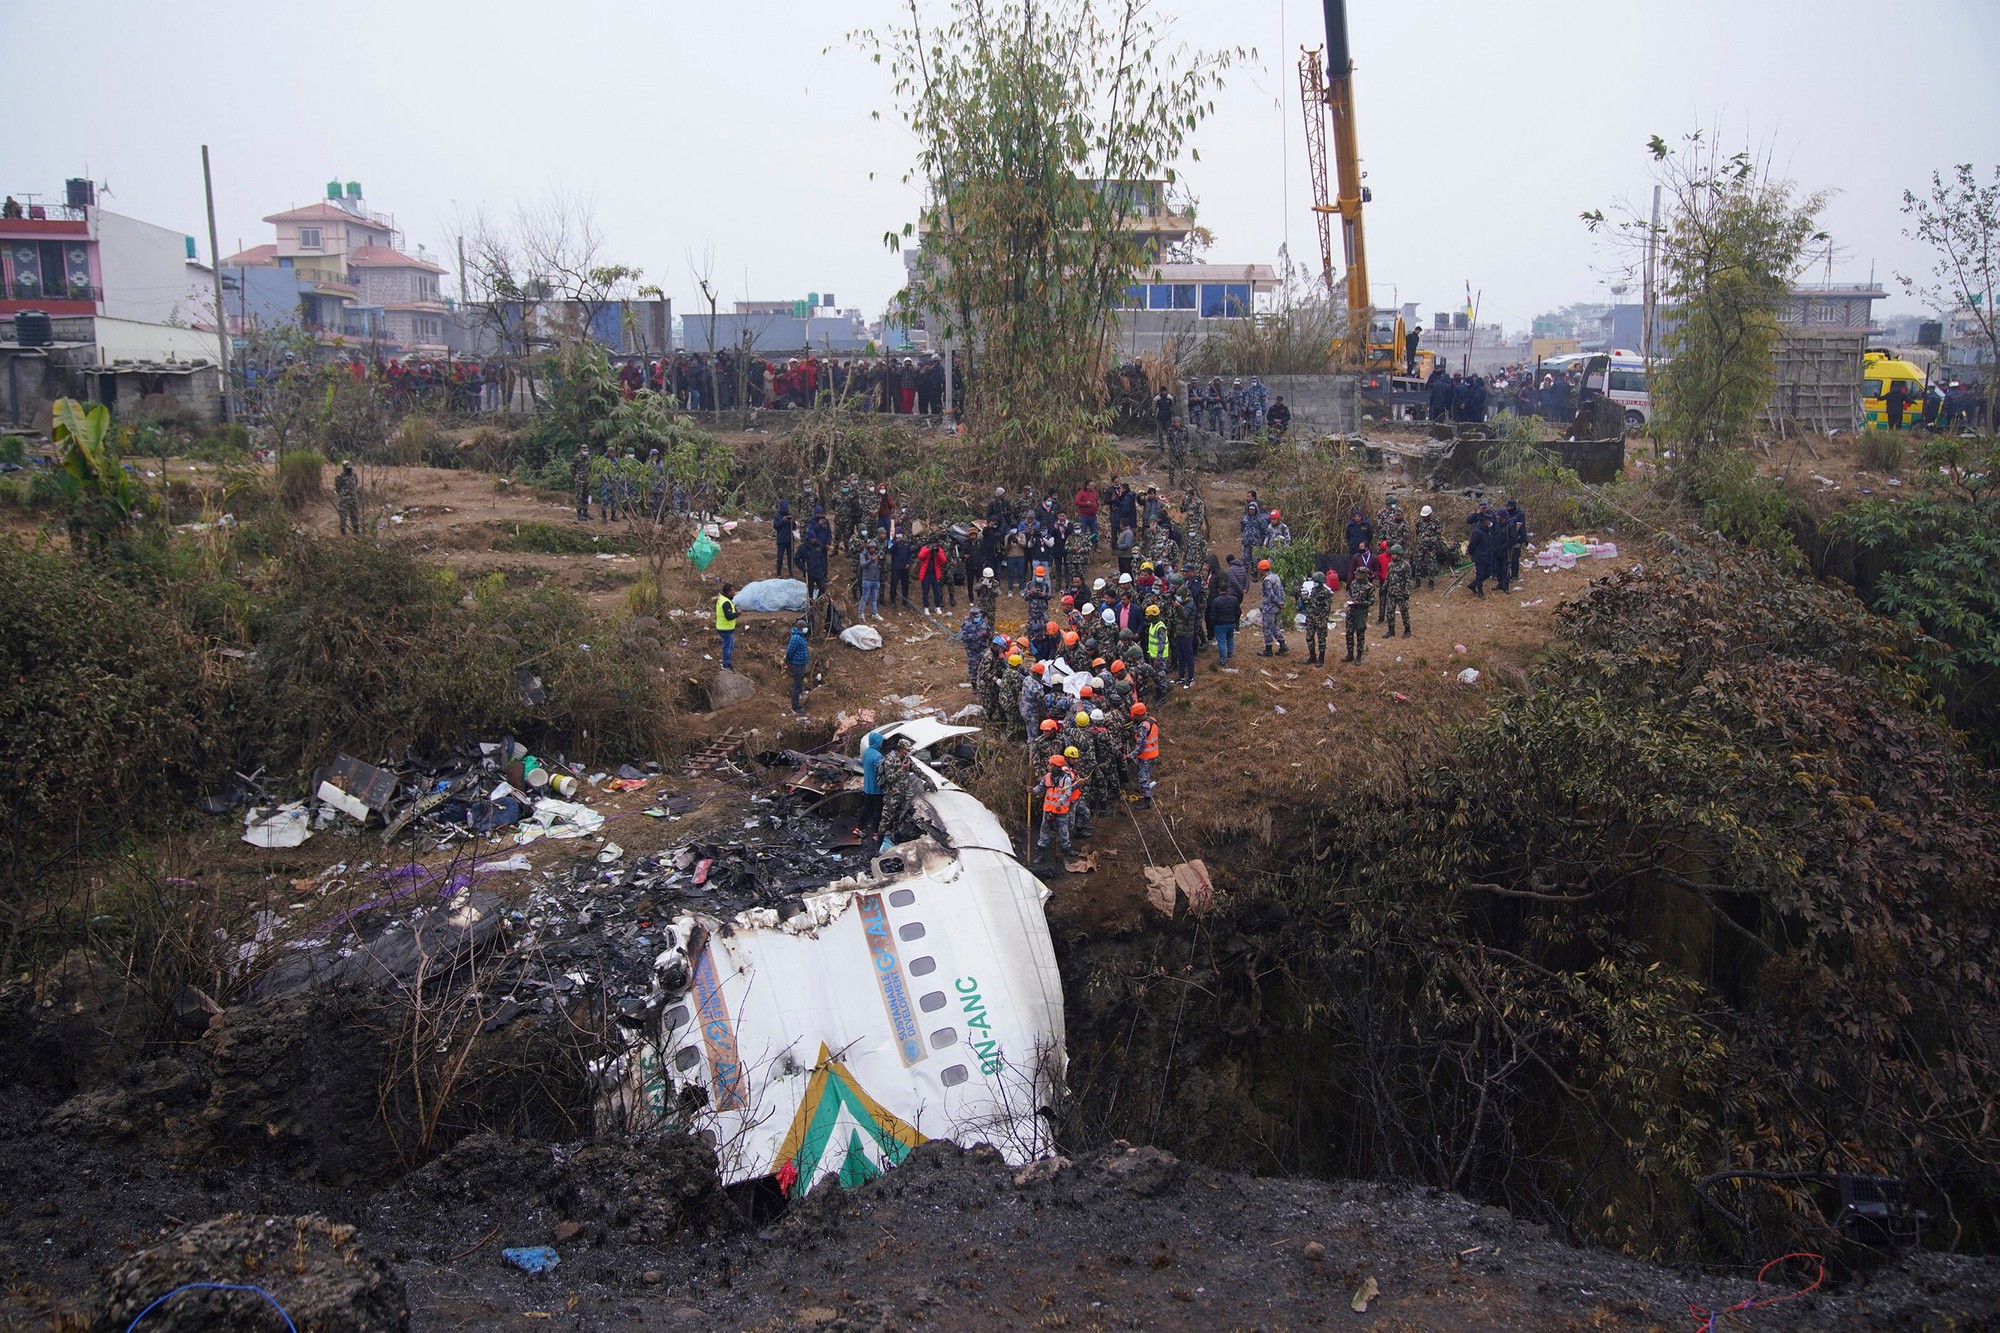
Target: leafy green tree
point(1960, 220)
point(1044, 129)
point(1733, 241)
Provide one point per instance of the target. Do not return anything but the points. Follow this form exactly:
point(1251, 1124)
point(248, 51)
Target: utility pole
point(215, 261)
point(1647, 299)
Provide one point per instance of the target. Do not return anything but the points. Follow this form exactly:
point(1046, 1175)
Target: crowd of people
point(698, 382)
point(1117, 595)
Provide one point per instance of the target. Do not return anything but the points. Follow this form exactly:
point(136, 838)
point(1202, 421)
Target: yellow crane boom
point(1331, 92)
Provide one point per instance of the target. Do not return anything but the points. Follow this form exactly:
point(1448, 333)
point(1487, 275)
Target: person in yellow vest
point(725, 624)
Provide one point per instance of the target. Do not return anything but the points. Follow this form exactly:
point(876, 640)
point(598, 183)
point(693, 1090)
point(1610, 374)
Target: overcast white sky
point(1486, 125)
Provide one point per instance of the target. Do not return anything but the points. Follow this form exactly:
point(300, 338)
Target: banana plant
point(102, 494)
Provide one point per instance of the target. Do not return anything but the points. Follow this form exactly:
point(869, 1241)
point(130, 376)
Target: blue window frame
point(1160, 296)
point(1225, 300)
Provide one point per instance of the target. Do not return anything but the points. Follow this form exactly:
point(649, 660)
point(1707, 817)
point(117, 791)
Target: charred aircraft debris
point(814, 1000)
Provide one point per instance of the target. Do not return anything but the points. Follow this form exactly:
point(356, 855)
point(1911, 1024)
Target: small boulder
point(316, 1270)
point(728, 689)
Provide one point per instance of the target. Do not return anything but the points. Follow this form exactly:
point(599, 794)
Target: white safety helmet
point(1097, 715)
point(1097, 586)
point(1088, 607)
point(986, 573)
point(1110, 616)
point(1124, 579)
point(1425, 512)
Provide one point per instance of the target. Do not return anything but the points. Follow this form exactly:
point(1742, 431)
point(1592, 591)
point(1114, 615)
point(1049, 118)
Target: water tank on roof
point(79, 192)
point(33, 328)
point(354, 189)
point(812, 299)
point(1930, 333)
point(333, 189)
point(190, 245)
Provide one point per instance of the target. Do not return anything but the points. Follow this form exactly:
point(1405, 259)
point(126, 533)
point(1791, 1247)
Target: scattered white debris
point(1469, 676)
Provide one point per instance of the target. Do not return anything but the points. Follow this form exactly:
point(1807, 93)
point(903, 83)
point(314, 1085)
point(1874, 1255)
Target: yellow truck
point(1880, 372)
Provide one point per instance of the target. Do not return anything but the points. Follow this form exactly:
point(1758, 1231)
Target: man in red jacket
point(1379, 563)
point(1086, 510)
point(931, 558)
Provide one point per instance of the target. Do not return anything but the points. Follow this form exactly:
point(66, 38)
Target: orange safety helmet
point(1275, 516)
point(1084, 691)
point(1118, 667)
point(1069, 638)
point(1037, 668)
point(1050, 724)
point(1263, 565)
point(1041, 571)
point(1051, 627)
point(1138, 710)
point(1068, 600)
point(1057, 761)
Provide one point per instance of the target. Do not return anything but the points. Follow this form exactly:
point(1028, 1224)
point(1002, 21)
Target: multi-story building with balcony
point(344, 276)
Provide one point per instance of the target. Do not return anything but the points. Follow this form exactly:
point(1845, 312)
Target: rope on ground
point(213, 1286)
point(1706, 1318)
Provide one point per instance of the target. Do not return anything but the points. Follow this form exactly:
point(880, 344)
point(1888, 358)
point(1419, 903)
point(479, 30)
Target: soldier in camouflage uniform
point(846, 517)
point(1194, 513)
point(986, 594)
point(1396, 591)
point(1318, 597)
point(1392, 524)
point(579, 482)
point(1044, 741)
point(987, 679)
point(1076, 550)
point(898, 778)
point(347, 499)
point(976, 633)
point(1360, 597)
point(1430, 549)
point(1078, 748)
point(1009, 689)
point(1159, 545)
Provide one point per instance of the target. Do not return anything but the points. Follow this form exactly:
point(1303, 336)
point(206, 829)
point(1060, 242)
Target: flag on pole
point(1468, 301)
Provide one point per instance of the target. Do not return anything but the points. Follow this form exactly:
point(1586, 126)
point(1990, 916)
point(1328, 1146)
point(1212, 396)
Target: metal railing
point(61, 291)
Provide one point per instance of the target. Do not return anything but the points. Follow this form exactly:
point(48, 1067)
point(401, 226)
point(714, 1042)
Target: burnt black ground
point(1124, 1238)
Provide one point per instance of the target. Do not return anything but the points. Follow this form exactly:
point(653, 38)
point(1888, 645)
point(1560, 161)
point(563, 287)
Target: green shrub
point(13, 449)
point(224, 444)
point(45, 491)
point(1741, 504)
point(1882, 450)
point(366, 648)
point(301, 479)
point(105, 700)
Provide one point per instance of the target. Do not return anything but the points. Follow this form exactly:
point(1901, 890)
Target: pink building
point(353, 281)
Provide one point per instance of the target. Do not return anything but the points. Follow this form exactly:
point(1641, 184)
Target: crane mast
point(1331, 92)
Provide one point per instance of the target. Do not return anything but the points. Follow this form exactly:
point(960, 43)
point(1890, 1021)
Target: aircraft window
point(677, 1017)
point(913, 931)
point(902, 897)
point(933, 1002)
point(944, 1037)
point(954, 1076)
point(923, 967)
point(686, 1058)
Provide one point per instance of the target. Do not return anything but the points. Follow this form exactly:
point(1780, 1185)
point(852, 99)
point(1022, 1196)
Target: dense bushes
point(366, 648)
point(118, 704)
point(105, 701)
point(1716, 894)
